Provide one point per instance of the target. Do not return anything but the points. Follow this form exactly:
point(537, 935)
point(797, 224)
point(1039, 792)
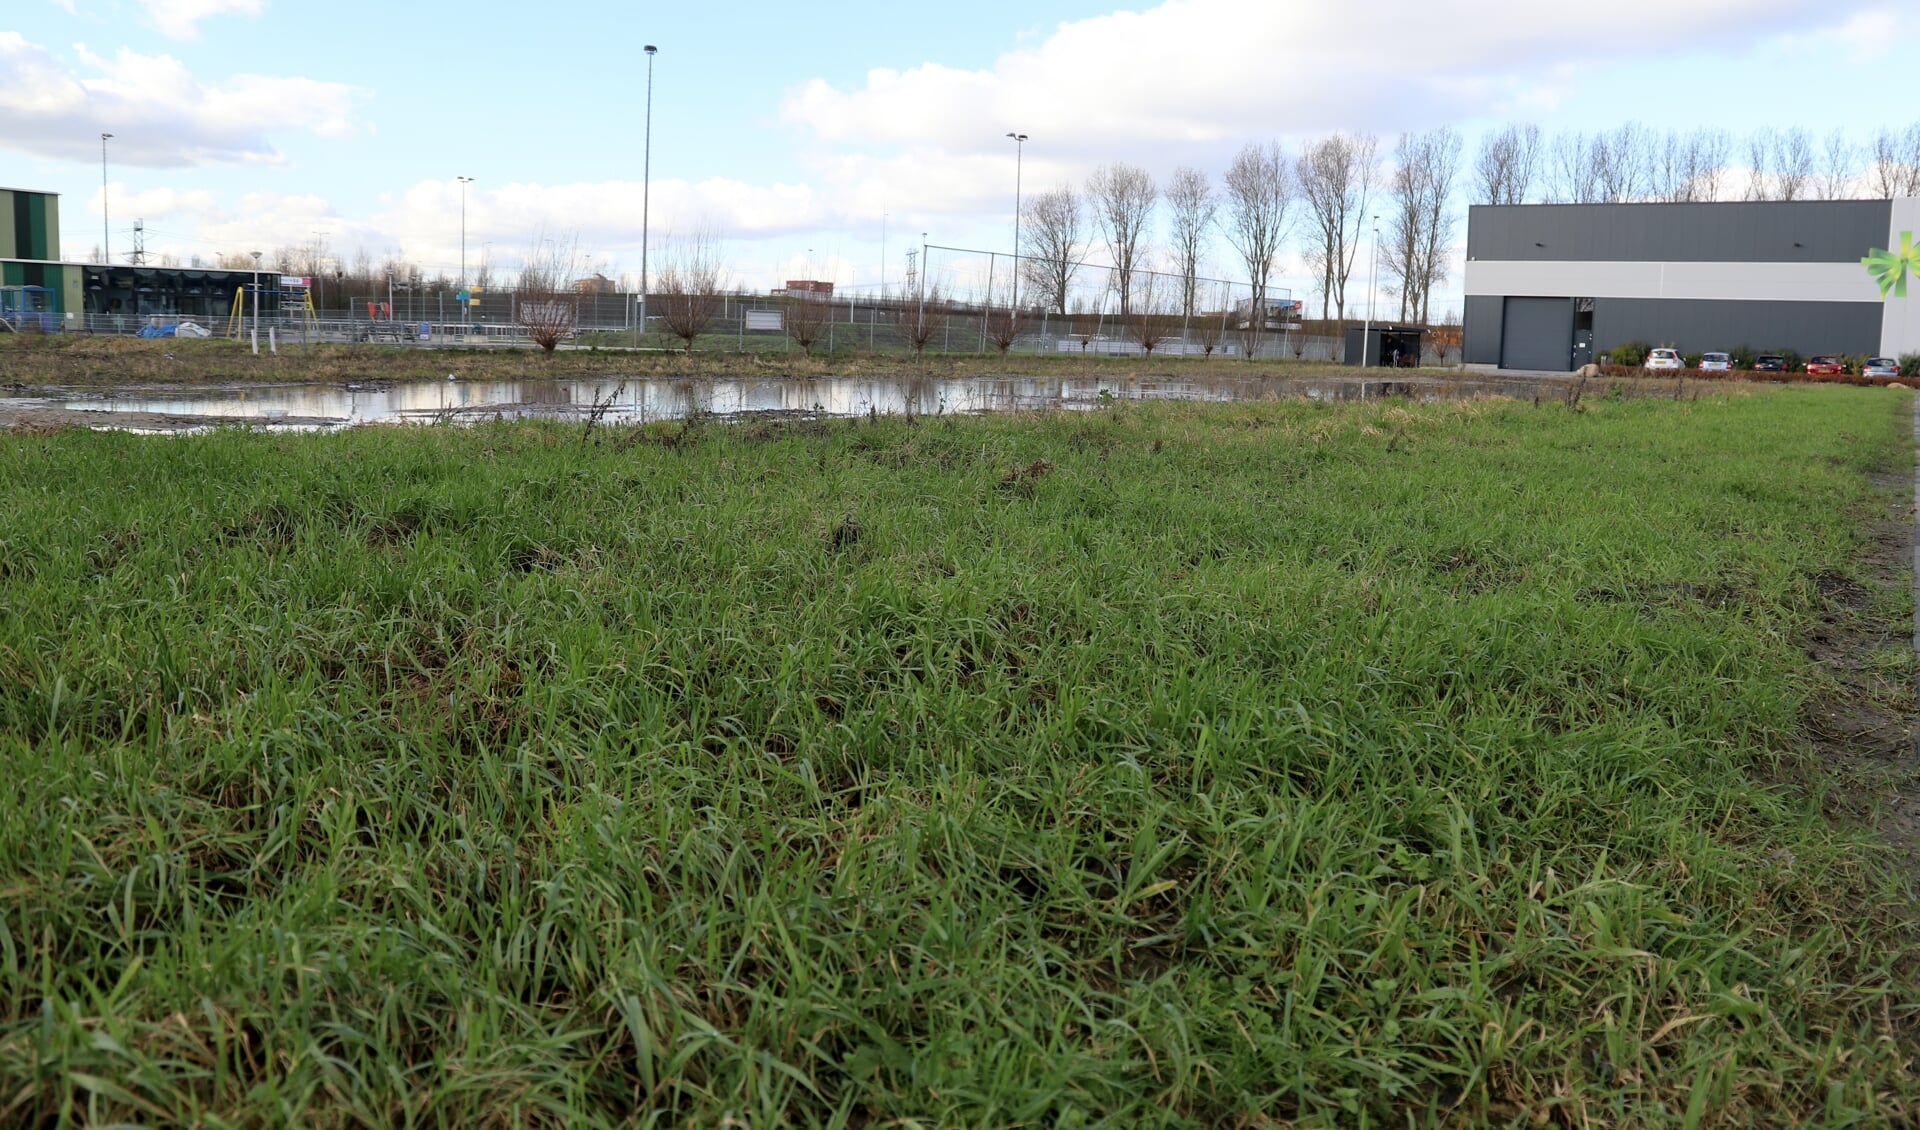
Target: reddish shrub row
point(1745, 375)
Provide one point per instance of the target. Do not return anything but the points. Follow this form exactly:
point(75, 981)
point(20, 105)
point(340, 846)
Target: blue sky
point(793, 131)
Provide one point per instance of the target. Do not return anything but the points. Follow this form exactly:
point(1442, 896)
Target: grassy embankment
point(78, 361)
point(1166, 765)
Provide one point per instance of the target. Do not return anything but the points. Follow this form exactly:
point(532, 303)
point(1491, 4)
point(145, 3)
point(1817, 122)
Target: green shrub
point(1629, 353)
point(1743, 355)
point(1910, 364)
point(1854, 362)
point(1690, 360)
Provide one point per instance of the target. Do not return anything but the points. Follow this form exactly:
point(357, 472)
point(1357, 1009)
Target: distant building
point(1555, 286)
point(594, 284)
point(30, 253)
point(806, 288)
point(1282, 313)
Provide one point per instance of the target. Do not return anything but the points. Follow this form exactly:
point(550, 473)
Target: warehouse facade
point(1555, 286)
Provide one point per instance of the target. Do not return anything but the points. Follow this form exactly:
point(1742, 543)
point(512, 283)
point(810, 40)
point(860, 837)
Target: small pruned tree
point(1149, 325)
point(1003, 326)
point(1207, 330)
point(1446, 337)
point(807, 318)
point(543, 295)
point(921, 320)
point(689, 288)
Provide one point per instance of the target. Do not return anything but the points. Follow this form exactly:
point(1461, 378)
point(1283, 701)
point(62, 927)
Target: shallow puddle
point(644, 400)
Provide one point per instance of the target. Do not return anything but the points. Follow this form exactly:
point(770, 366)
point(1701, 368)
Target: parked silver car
point(1880, 367)
point(1716, 362)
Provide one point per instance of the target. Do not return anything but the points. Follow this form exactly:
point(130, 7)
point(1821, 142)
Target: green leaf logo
point(1890, 268)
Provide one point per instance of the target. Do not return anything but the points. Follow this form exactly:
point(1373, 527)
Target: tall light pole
point(466, 303)
point(464, 182)
point(256, 300)
point(106, 239)
point(1019, 153)
point(1373, 269)
point(646, 194)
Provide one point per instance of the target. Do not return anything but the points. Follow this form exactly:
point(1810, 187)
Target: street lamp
point(1019, 153)
point(1373, 269)
point(106, 239)
point(646, 192)
point(256, 300)
point(464, 182)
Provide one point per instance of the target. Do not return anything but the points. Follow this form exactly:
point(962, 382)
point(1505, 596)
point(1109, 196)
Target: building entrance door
point(1582, 332)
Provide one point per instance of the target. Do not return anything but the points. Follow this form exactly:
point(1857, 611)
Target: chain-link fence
point(959, 301)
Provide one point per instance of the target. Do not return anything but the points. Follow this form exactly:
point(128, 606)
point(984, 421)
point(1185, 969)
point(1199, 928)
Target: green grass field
point(1267, 765)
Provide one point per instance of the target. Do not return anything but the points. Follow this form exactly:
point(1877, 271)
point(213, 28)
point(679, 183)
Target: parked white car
point(1662, 359)
point(1716, 363)
point(1880, 367)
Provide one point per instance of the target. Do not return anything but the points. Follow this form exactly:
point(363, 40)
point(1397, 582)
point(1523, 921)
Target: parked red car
point(1825, 365)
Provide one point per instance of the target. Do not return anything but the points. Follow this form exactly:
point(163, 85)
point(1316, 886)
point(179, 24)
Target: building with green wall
point(29, 224)
point(30, 248)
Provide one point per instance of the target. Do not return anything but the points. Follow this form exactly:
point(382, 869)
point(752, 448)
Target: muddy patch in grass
point(1862, 719)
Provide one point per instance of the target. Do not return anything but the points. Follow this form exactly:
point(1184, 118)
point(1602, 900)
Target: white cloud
point(1200, 73)
point(178, 19)
point(159, 113)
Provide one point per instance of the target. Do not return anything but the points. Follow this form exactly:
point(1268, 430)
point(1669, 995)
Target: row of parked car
point(1821, 364)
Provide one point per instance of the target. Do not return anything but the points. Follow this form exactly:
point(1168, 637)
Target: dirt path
point(1863, 720)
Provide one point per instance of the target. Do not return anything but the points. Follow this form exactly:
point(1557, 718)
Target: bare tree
point(543, 294)
point(1191, 200)
point(1422, 220)
point(1508, 163)
point(1259, 191)
point(807, 317)
point(1759, 161)
point(1571, 170)
point(1054, 234)
point(1208, 328)
point(688, 290)
point(1122, 197)
point(1705, 161)
point(1895, 168)
point(1149, 324)
point(1667, 168)
point(1003, 326)
point(1838, 158)
point(1792, 164)
point(921, 320)
point(1335, 175)
point(1620, 163)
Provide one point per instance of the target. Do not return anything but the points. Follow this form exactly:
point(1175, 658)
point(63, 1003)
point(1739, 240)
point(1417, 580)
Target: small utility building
point(30, 251)
point(1554, 286)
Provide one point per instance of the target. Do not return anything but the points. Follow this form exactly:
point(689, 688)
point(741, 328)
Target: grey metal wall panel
point(1798, 231)
point(1480, 330)
point(1699, 326)
point(1537, 333)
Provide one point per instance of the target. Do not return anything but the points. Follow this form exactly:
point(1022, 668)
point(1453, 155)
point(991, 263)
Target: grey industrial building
point(1554, 286)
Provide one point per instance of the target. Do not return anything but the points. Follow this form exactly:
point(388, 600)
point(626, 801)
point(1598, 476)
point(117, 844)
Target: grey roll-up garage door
point(1537, 333)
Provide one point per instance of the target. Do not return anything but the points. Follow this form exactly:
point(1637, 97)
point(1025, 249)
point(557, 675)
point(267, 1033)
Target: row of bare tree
point(1519, 165)
point(1406, 199)
point(1338, 180)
